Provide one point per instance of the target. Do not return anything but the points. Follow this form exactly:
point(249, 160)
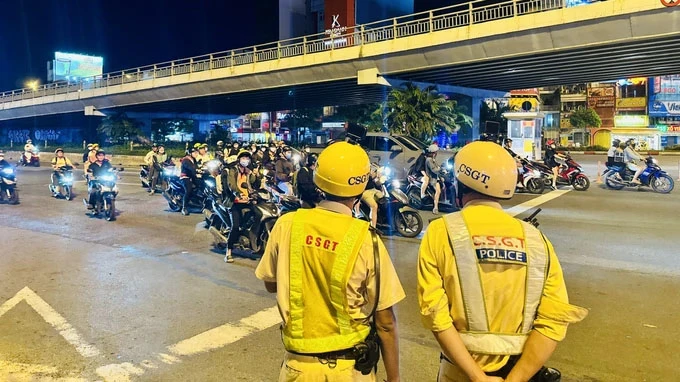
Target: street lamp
point(32, 84)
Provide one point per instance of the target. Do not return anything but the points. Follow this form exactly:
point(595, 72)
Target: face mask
point(307, 150)
point(289, 155)
point(245, 162)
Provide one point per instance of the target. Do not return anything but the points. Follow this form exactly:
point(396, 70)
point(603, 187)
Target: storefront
point(664, 108)
point(636, 127)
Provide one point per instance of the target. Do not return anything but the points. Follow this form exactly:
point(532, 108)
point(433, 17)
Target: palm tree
point(422, 113)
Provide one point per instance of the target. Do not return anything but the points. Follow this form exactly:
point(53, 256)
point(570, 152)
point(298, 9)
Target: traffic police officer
point(321, 264)
point(490, 286)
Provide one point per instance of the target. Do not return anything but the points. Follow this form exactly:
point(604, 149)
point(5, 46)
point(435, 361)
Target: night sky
point(126, 33)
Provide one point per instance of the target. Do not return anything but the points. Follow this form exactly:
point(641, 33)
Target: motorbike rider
point(513, 309)
point(149, 160)
point(270, 156)
point(203, 155)
point(156, 167)
point(28, 147)
point(631, 157)
point(551, 157)
point(373, 193)
point(86, 154)
point(234, 149)
point(321, 264)
point(304, 182)
point(219, 151)
point(284, 170)
point(91, 157)
point(3, 163)
point(188, 176)
point(99, 168)
point(432, 170)
point(612, 151)
point(237, 179)
point(59, 161)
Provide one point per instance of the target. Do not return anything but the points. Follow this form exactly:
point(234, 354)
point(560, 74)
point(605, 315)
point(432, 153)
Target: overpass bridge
point(484, 44)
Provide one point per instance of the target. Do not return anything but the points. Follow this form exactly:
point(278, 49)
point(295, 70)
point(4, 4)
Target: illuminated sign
point(74, 67)
point(668, 128)
point(664, 108)
point(336, 30)
point(631, 121)
point(524, 92)
point(631, 103)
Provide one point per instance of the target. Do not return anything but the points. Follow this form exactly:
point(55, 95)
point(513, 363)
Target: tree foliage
point(160, 129)
point(369, 115)
point(582, 118)
point(119, 128)
point(494, 114)
point(422, 113)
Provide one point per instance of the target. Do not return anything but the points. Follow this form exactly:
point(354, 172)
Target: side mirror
point(396, 148)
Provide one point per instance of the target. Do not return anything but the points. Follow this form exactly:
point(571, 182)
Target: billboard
point(75, 67)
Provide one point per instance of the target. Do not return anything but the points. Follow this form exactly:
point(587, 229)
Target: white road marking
point(535, 202)
point(203, 342)
point(52, 317)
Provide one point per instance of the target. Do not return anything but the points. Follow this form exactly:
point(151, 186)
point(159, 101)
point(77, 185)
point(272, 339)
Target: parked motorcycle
point(106, 192)
point(257, 221)
point(8, 186)
point(569, 174)
point(174, 193)
point(394, 213)
point(652, 176)
point(65, 183)
point(531, 179)
point(30, 158)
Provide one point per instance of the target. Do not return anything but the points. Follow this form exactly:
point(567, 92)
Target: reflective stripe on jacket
point(478, 338)
point(320, 268)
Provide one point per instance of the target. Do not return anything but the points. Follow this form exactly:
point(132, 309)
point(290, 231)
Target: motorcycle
point(531, 179)
point(652, 176)
point(30, 158)
point(65, 183)
point(257, 221)
point(166, 170)
point(174, 193)
point(106, 190)
point(8, 186)
point(446, 199)
point(569, 174)
point(394, 213)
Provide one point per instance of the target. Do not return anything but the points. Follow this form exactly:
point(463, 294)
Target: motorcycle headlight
point(68, 179)
point(449, 166)
point(108, 178)
point(8, 171)
point(212, 165)
point(388, 172)
point(296, 158)
point(536, 173)
point(396, 184)
point(210, 183)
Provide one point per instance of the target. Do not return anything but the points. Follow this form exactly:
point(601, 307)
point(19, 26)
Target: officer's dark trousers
point(188, 192)
point(235, 212)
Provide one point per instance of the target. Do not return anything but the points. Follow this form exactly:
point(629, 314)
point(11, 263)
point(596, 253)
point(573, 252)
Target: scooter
point(530, 178)
point(166, 169)
point(8, 186)
point(394, 213)
point(106, 191)
point(570, 174)
point(652, 176)
point(65, 183)
point(30, 158)
point(446, 199)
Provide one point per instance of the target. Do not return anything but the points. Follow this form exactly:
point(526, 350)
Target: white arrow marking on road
point(209, 340)
point(53, 318)
point(535, 202)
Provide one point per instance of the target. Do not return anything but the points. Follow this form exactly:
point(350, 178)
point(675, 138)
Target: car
point(399, 152)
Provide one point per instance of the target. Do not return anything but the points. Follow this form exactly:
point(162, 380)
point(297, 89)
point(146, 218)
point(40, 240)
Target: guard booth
point(525, 123)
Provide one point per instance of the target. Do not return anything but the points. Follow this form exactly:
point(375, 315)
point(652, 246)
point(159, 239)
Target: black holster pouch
point(368, 353)
point(544, 374)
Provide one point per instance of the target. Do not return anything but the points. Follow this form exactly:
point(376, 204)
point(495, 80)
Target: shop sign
point(667, 85)
point(631, 103)
point(336, 29)
point(664, 108)
point(601, 102)
point(668, 128)
point(601, 91)
point(631, 121)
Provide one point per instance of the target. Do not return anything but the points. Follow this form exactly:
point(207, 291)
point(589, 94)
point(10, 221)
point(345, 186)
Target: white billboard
point(75, 67)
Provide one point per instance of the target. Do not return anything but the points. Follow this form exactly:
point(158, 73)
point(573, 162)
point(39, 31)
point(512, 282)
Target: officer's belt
point(350, 353)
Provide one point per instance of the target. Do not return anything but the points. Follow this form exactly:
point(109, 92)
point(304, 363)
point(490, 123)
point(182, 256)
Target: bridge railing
point(474, 12)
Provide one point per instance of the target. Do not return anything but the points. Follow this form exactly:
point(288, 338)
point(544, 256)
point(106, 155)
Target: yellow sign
point(631, 103)
point(631, 121)
point(517, 103)
point(565, 123)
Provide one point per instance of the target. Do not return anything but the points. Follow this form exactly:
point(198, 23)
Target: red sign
point(670, 3)
point(339, 16)
point(674, 129)
point(531, 92)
